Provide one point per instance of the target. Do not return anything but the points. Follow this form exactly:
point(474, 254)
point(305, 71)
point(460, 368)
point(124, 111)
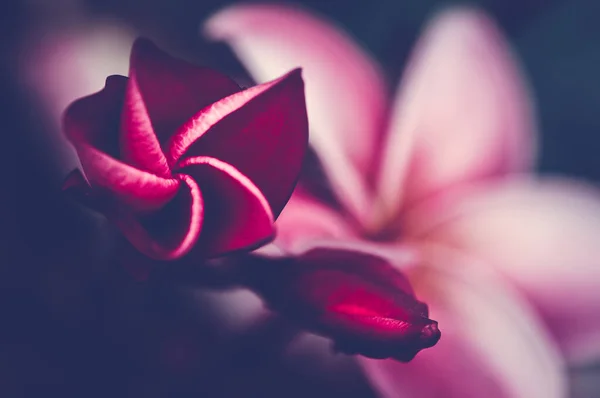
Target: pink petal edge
point(91, 124)
point(266, 122)
point(142, 240)
point(237, 215)
point(163, 92)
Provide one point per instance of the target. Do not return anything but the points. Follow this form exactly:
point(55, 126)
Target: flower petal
point(462, 112)
point(162, 93)
point(306, 219)
point(237, 215)
point(492, 343)
point(166, 234)
point(91, 124)
point(344, 89)
point(545, 236)
point(261, 131)
point(359, 300)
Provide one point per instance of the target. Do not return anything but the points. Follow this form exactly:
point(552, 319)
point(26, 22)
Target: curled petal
point(166, 234)
point(545, 236)
point(91, 124)
point(237, 216)
point(261, 131)
point(360, 301)
point(462, 112)
point(492, 346)
point(162, 93)
point(344, 88)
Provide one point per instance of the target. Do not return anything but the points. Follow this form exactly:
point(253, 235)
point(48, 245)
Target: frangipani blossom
point(180, 158)
point(509, 264)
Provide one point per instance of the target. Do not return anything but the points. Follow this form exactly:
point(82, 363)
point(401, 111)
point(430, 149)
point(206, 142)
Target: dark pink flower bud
point(360, 301)
point(180, 158)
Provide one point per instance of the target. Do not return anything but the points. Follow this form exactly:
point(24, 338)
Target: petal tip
point(114, 81)
point(143, 50)
point(225, 22)
point(294, 76)
point(463, 14)
point(229, 21)
point(463, 20)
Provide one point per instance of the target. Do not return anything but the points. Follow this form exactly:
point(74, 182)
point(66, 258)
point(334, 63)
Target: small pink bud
point(360, 301)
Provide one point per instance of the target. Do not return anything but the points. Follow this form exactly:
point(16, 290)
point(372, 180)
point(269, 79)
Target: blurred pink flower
point(508, 263)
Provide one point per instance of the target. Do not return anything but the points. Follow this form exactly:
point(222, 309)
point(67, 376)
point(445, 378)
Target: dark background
point(73, 322)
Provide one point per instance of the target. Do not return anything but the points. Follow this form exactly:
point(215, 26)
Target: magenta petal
point(139, 143)
point(91, 124)
point(359, 300)
point(170, 232)
point(237, 215)
point(163, 93)
point(366, 266)
point(261, 131)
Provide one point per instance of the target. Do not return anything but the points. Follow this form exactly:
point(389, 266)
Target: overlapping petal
point(344, 88)
point(172, 231)
point(91, 124)
point(162, 93)
point(544, 235)
point(359, 300)
point(461, 114)
point(236, 213)
point(261, 131)
point(492, 345)
point(164, 234)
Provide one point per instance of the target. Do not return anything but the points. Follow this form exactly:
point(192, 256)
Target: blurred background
point(75, 324)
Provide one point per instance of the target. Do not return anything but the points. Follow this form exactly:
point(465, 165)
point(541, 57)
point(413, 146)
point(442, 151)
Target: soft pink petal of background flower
point(461, 114)
point(492, 344)
point(344, 89)
point(306, 219)
point(545, 235)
